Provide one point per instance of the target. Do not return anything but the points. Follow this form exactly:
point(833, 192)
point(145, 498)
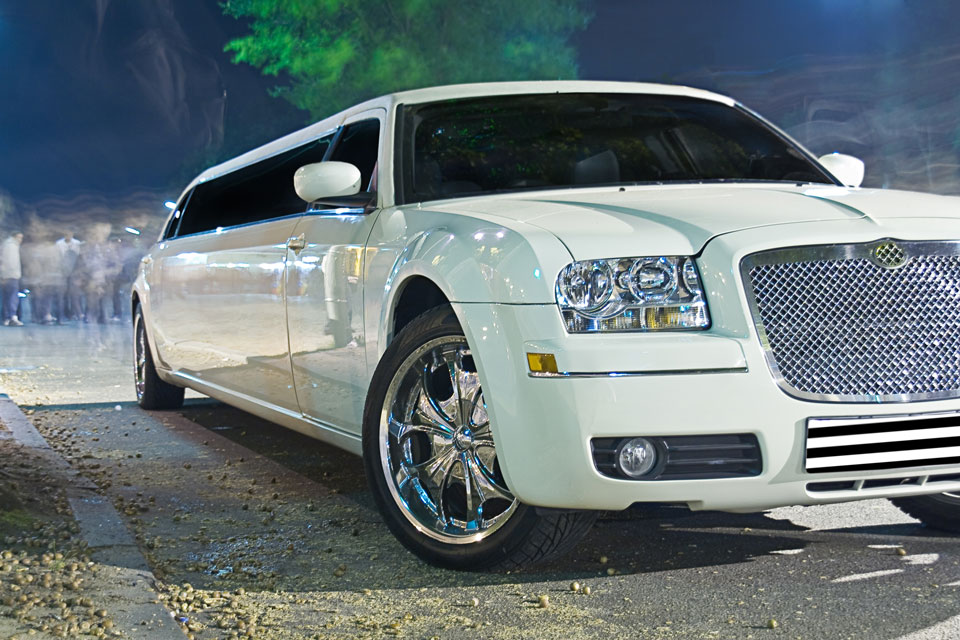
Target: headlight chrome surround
point(653, 293)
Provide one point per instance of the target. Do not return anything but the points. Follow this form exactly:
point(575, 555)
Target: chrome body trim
point(634, 374)
point(855, 251)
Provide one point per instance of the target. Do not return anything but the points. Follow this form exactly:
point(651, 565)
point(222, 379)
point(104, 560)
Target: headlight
point(586, 286)
point(632, 294)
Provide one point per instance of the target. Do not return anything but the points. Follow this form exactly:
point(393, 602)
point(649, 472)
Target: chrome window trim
point(832, 252)
point(222, 230)
point(339, 211)
point(330, 132)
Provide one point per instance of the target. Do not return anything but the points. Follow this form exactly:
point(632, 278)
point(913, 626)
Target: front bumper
point(667, 384)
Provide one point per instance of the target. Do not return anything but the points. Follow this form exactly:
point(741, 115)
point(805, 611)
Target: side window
point(174, 221)
point(359, 145)
point(261, 191)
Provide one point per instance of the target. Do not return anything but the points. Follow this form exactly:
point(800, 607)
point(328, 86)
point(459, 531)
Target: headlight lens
point(632, 294)
point(585, 286)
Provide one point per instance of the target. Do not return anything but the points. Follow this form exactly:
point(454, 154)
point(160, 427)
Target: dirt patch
point(46, 576)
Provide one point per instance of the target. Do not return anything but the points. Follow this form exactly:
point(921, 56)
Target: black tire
point(940, 511)
point(152, 392)
point(526, 535)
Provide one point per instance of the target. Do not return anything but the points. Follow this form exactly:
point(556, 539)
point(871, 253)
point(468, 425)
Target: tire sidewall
point(143, 399)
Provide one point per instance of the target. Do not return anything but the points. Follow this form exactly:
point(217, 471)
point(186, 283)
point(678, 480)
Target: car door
point(221, 316)
point(324, 284)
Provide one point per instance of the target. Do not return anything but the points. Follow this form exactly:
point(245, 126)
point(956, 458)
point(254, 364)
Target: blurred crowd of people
point(52, 278)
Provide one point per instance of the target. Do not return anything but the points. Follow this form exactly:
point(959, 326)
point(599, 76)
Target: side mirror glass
point(322, 180)
point(846, 169)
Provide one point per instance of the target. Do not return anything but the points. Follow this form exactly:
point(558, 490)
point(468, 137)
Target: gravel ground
point(51, 582)
point(255, 531)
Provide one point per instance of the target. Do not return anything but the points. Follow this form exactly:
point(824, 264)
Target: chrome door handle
point(296, 244)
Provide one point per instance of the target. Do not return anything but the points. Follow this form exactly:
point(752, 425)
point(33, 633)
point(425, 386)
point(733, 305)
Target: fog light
point(636, 457)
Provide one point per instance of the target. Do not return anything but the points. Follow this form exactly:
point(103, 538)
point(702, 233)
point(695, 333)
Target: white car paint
point(326, 180)
point(229, 302)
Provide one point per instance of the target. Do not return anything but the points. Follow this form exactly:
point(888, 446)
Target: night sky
point(110, 96)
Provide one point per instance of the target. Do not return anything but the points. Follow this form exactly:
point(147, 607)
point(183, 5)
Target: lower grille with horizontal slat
point(882, 443)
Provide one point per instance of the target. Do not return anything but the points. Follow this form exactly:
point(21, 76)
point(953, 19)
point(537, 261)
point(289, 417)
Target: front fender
point(470, 259)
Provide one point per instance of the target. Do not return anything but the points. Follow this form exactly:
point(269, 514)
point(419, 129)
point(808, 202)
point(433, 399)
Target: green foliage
point(330, 54)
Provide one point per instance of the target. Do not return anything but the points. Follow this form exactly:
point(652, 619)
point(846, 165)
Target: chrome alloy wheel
point(436, 447)
point(140, 355)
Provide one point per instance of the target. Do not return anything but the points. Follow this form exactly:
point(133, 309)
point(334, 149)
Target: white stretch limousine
point(523, 303)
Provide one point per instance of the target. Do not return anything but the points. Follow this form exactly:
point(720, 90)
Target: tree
point(334, 53)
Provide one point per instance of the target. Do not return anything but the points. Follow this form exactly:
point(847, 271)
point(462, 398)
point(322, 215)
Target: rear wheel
point(152, 392)
point(940, 511)
point(431, 459)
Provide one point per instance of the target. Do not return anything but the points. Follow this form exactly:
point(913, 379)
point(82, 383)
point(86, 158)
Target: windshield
point(509, 143)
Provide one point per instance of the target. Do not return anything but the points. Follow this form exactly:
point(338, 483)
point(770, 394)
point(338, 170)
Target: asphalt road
point(253, 529)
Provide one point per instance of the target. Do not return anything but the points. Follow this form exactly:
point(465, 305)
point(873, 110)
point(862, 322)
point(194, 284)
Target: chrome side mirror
point(846, 169)
point(322, 180)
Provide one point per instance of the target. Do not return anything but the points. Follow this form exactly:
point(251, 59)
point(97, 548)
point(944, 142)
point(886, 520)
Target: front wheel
point(431, 460)
point(152, 392)
point(939, 511)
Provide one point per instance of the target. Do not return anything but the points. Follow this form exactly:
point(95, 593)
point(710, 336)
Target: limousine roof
point(448, 92)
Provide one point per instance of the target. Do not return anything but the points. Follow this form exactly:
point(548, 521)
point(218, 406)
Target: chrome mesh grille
point(839, 325)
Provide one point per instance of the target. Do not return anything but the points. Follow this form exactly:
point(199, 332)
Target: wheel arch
point(415, 295)
point(466, 260)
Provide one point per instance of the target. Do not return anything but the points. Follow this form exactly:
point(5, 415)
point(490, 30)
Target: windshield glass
point(508, 143)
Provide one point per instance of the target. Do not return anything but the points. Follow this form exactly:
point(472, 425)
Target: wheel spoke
point(444, 480)
point(412, 491)
point(487, 486)
point(467, 391)
point(401, 431)
point(435, 408)
point(401, 477)
point(483, 430)
point(455, 370)
point(473, 506)
point(452, 406)
point(440, 464)
point(397, 429)
point(483, 436)
point(478, 408)
point(432, 429)
point(430, 413)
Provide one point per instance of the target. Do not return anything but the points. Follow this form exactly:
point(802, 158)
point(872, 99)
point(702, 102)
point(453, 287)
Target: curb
point(105, 533)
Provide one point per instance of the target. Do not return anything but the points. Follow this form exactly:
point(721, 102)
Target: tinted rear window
point(262, 191)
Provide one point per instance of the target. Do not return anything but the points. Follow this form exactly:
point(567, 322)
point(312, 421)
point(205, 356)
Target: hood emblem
point(889, 255)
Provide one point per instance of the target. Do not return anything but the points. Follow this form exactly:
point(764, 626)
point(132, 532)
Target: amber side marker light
point(542, 363)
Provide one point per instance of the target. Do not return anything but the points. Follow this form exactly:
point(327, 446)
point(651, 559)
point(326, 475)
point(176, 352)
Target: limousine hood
point(681, 219)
